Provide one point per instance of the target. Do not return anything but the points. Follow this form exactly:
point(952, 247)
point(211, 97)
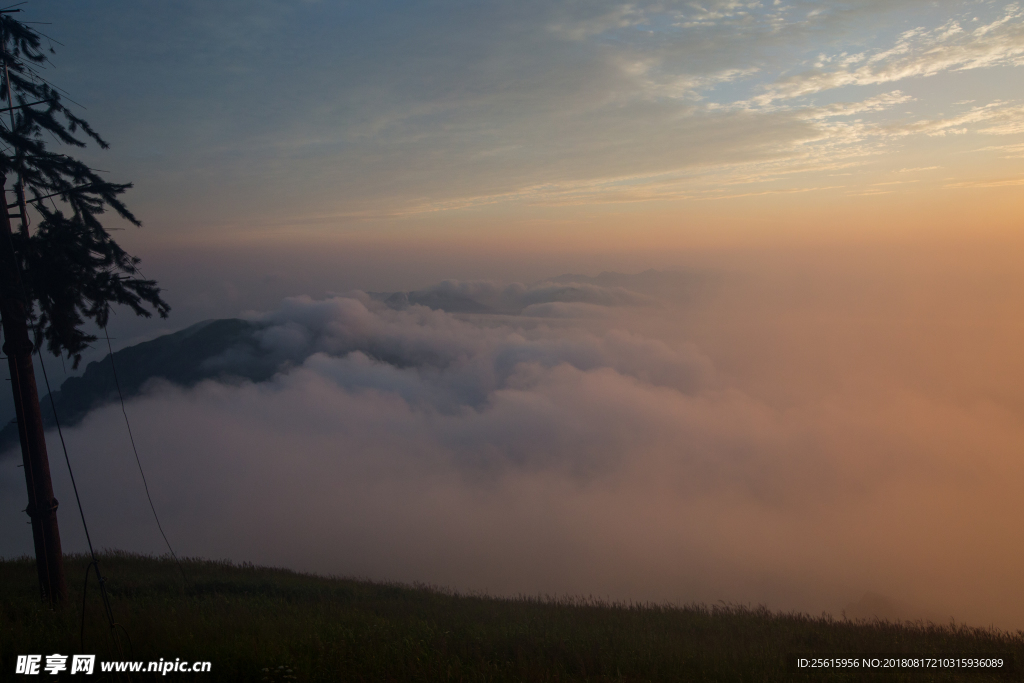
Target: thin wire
point(53, 406)
point(29, 70)
point(95, 564)
point(137, 460)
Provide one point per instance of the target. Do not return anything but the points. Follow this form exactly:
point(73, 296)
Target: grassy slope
point(244, 619)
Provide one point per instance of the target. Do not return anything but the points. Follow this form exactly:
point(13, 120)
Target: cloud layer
point(606, 455)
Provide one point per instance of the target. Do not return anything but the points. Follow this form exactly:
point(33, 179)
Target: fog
point(810, 430)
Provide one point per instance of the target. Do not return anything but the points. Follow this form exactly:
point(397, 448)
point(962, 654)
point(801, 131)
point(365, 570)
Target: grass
point(255, 623)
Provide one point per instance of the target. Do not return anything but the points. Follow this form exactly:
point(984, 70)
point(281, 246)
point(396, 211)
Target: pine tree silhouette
point(63, 271)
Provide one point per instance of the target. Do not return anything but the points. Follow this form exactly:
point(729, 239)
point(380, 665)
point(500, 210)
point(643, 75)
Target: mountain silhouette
point(182, 357)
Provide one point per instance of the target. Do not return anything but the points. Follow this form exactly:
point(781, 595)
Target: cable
point(53, 407)
point(95, 564)
point(137, 460)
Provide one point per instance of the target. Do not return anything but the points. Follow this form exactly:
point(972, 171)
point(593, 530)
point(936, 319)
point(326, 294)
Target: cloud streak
point(919, 52)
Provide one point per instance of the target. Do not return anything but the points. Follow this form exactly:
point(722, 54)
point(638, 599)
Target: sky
point(824, 405)
point(638, 126)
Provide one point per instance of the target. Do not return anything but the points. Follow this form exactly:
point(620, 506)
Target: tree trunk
point(42, 506)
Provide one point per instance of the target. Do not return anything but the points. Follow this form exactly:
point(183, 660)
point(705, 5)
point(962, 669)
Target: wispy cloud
point(871, 104)
point(1006, 151)
point(999, 118)
point(1006, 182)
point(919, 52)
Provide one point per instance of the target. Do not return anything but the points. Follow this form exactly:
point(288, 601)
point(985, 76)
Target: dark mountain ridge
point(181, 357)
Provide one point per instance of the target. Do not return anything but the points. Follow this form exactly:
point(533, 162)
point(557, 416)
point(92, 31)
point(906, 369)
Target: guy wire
point(95, 564)
point(137, 460)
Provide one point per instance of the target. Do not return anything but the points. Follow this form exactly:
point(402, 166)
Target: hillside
point(255, 623)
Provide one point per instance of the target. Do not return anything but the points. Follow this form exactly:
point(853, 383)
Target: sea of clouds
point(587, 440)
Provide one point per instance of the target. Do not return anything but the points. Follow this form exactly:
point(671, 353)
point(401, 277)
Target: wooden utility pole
point(42, 506)
point(67, 269)
point(15, 309)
